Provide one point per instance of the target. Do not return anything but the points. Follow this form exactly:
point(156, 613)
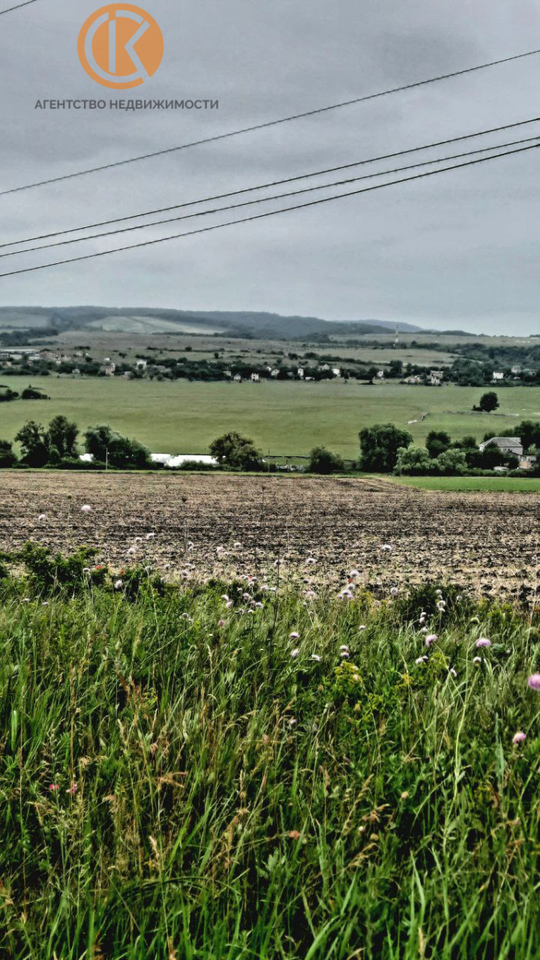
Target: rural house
point(510, 445)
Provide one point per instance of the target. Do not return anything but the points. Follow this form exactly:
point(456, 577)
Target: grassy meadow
point(472, 484)
point(190, 777)
point(282, 418)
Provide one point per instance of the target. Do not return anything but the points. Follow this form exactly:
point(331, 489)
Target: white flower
point(362, 626)
point(394, 591)
point(294, 635)
point(86, 508)
point(294, 653)
point(431, 638)
point(421, 660)
point(150, 536)
point(387, 547)
point(42, 516)
point(315, 656)
point(118, 585)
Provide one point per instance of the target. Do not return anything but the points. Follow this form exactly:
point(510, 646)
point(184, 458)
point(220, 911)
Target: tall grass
point(175, 784)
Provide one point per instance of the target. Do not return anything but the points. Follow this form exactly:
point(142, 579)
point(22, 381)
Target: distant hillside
point(147, 320)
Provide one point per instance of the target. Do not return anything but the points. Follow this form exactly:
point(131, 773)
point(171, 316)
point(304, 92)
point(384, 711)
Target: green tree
point(236, 451)
point(437, 441)
point(33, 440)
point(7, 456)
point(451, 463)
point(379, 447)
point(323, 461)
point(488, 402)
point(62, 434)
point(106, 445)
point(413, 461)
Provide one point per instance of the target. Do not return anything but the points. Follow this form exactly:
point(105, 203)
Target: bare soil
point(226, 525)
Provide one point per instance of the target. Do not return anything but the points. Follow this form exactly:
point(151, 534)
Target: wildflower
point(294, 635)
point(362, 626)
point(431, 638)
point(354, 573)
point(237, 546)
point(311, 560)
point(72, 789)
point(150, 536)
point(42, 516)
point(387, 547)
point(534, 681)
point(344, 647)
point(294, 653)
point(483, 642)
point(118, 585)
point(421, 660)
point(224, 596)
point(452, 672)
point(315, 656)
point(228, 605)
point(519, 737)
point(394, 591)
point(477, 660)
point(292, 722)
point(221, 623)
point(294, 834)
point(53, 787)
point(441, 605)
point(344, 654)
point(86, 508)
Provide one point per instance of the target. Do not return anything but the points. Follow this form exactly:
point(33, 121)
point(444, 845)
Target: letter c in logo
point(120, 46)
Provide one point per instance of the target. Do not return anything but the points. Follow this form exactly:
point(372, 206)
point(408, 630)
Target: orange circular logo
point(120, 46)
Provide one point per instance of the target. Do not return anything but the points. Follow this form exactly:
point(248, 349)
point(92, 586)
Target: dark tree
point(7, 456)
point(62, 434)
point(379, 447)
point(437, 442)
point(106, 445)
point(236, 451)
point(34, 445)
point(488, 402)
point(324, 461)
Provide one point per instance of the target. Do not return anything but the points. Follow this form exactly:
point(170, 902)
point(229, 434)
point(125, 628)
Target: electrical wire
point(262, 216)
point(272, 123)
point(275, 183)
point(279, 196)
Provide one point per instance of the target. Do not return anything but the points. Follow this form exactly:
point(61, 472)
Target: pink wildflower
point(534, 681)
point(519, 737)
point(483, 642)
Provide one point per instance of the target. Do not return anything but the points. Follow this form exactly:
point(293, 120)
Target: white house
point(510, 445)
point(498, 375)
point(255, 378)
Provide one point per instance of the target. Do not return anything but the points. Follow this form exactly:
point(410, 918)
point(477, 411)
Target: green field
point(472, 484)
point(283, 418)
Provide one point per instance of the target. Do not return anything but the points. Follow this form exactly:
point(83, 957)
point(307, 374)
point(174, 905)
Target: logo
point(120, 46)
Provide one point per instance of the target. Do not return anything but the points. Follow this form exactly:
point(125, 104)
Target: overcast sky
point(460, 249)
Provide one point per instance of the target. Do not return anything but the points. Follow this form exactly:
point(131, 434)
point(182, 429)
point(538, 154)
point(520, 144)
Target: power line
point(19, 5)
point(270, 213)
point(276, 183)
point(273, 123)
point(279, 196)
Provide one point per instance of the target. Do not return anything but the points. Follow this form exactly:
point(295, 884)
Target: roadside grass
point(471, 484)
point(184, 775)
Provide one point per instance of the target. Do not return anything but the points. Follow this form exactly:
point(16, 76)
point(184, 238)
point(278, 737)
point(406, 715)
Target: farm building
point(497, 375)
point(510, 445)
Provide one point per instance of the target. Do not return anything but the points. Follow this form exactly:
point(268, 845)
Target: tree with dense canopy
point(379, 447)
point(234, 450)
